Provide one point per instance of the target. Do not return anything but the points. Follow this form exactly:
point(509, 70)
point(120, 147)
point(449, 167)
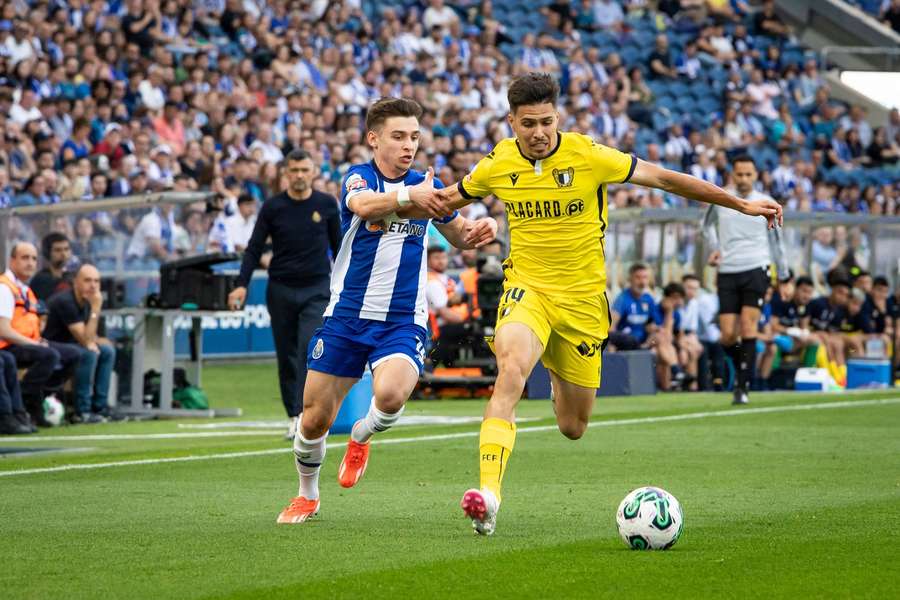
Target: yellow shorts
point(572, 330)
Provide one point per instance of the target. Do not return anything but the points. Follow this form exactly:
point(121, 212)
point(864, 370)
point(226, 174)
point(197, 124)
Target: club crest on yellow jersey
point(564, 177)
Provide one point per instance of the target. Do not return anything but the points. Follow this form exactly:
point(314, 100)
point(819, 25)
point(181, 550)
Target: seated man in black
point(74, 318)
point(57, 252)
point(826, 314)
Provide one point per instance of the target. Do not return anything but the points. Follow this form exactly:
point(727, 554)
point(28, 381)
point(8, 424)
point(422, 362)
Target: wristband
point(403, 196)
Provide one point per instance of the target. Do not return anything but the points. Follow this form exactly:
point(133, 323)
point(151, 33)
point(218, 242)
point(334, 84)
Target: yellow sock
point(821, 357)
point(495, 446)
point(834, 370)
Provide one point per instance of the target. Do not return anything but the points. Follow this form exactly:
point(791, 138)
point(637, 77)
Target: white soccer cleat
point(481, 506)
point(292, 429)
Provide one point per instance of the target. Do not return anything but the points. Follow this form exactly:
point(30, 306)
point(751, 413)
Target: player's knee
point(390, 399)
point(509, 367)
point(573, 428)
point(314, 423)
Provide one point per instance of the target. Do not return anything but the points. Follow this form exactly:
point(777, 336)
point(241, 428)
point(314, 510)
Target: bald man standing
point(49, 364)
point(74, 318)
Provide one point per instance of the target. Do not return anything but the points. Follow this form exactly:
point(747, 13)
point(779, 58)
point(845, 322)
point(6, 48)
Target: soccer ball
point(650, 518)
point(54, 411)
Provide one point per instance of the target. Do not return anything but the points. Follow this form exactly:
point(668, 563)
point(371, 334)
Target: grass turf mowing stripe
point(469, 434)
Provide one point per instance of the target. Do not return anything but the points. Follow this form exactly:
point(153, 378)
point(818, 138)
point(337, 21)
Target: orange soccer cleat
point(354, 464)
point(299, 510)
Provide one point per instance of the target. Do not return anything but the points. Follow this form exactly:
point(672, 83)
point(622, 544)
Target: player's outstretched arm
point(687, 186)
point(468, 234)
point(451, 200)
point(420, 199)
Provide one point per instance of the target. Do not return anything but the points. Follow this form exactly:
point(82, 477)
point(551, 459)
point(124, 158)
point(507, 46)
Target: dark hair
point(690, 277)
point(54, 237)
point(673, 289)
point(385, 108)
point(532, 88)
point(881, 280)
point(804, 280)
point(839, 275)
point(861, 273)
point(743, 158)
point(296, 155)
point(434, 249)
point(637, 267)
point(245, 198)
point(837, 281)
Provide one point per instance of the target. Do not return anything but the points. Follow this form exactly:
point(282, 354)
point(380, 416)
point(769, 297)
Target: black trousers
point(296, 313)
point(10, 394)
point(49, 367)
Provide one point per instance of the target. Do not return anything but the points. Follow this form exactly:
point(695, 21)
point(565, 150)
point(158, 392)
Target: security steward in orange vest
point(49, 364)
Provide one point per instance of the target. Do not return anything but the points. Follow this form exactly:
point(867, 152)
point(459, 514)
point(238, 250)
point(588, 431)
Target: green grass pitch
point(794, 495)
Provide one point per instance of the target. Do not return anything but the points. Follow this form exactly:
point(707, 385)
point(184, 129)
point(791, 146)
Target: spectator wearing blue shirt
point(79, 145)
point(637, 321)
point(634, 313)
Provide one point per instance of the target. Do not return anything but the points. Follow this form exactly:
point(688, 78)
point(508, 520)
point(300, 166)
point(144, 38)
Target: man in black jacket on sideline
point(304, 225)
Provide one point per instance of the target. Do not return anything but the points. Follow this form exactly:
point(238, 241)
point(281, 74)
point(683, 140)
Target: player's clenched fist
point(423, 196)
point(481, 232)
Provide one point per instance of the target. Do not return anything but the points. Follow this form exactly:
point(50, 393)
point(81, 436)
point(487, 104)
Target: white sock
point(374, 422)
point(308, 456)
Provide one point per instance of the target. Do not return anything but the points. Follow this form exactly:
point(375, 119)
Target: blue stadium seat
point(658, 86)
point(700, 89)
point(710, 104)
point(661, 121)
point(630, 55)
point(667, 102)
point(644, 39)
point(686, 103)
point(678, 88)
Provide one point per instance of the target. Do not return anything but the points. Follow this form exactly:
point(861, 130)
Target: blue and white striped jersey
point(380, 270)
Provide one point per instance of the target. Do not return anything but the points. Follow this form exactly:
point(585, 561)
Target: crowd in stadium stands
point(887, 11)
point(108, 98)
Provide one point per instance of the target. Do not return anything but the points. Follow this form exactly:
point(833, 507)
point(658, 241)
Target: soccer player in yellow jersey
point(553, 306)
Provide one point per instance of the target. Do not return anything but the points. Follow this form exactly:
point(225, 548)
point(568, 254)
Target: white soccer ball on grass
point(650, 518)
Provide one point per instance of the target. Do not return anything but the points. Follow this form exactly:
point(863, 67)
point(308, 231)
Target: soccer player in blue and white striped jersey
point(377, 313)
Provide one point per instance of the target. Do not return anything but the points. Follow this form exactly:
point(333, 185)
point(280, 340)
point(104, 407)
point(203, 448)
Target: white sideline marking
point(467, 434)
point(405, 420)
point(105, 437)
point(254, 430)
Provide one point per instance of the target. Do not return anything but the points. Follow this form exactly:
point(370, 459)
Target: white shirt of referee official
point(740, 242)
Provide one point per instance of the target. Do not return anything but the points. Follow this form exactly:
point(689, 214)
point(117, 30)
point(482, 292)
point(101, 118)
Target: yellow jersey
point(556, 208)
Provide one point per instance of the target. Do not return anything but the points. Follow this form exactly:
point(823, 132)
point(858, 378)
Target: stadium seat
point(630, 54)
point(661, 121)
point(710, 104)
point(658, 87)
point(666, 102)
point(678, 89)
point(686, 103)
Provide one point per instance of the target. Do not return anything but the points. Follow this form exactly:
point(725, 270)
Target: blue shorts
point(785, 343)
point(343, 347)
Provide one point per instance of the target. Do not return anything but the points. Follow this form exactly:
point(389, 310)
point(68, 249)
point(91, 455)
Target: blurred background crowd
point(110, 98)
